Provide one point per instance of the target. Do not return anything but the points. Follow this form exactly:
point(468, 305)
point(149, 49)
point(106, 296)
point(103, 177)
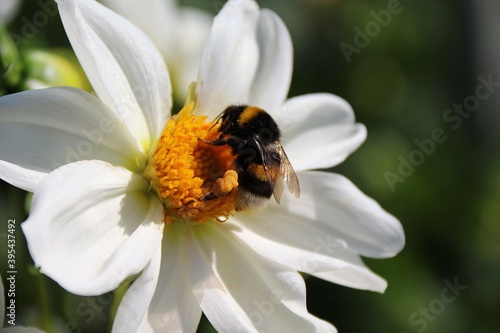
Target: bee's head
point(229, 118)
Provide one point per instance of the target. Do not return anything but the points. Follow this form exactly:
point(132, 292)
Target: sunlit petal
point(262, 297)
point(319, 130)
point(88, 219)
point(179, 33)
point(41, 130)
point(332, 206)
point(161, 299)
point(157, 18)
point(230, 59)
point(274, 73)
point(184, 58)
point(124, 67)
point(299, 244)
point(132, 312)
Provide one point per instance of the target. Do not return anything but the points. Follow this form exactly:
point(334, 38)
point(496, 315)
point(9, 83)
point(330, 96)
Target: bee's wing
point(270, 164)
point(287, 172)
point(276, 176)
point(278, 189)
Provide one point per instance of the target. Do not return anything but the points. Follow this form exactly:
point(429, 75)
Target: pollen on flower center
point(194, 180)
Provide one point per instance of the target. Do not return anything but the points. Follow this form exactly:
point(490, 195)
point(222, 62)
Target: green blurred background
point(404, 76)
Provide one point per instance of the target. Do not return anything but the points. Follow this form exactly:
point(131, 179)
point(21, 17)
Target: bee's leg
point(234, 141)
point(218, 142)
point(209, 196)
point(223, 186)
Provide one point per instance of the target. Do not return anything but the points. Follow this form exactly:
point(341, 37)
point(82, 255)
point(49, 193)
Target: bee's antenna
point(219, 117)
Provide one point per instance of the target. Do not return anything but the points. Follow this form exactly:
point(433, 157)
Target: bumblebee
point(260, 161)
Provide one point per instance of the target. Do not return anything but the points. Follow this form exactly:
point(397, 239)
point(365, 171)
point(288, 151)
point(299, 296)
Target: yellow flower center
point(195, 181)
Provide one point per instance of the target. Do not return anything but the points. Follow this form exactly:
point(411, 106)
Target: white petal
point(179, 33)
point(8, 10)
point(355, 277)
point(247, 60)
point(239, 291)
point(172, 307)
point(41, 130)
point(274, 74)
point(92, 225)
point(124, 67)
point(134, 305)
point(299, 245)
point(318, 130)
point(230, 59)
point(332, 206)
point(157, 18)
point(184, 59)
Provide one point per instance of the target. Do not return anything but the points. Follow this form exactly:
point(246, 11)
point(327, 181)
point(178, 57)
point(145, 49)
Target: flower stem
point(118, 294)
point(44, 305)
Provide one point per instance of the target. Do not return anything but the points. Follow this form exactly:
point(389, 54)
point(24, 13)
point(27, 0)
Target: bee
point(260, 161)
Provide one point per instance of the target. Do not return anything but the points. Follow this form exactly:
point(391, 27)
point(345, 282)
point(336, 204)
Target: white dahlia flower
point(117, 181)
